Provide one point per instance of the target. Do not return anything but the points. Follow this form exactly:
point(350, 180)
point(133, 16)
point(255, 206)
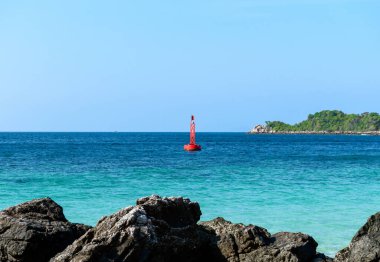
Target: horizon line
point(121, 131)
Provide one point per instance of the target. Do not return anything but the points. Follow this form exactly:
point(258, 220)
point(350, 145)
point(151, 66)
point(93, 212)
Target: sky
point(148, 65)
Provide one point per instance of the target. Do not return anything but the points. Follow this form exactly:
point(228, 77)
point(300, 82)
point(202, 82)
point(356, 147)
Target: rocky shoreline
point(260, 129)
point(161, 229)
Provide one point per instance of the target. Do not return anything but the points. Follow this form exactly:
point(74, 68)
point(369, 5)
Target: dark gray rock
point(322, 258)
point(234, 240)
point(166, 229)
point(156, 229)
point(35, 231)
point(237, 242)
point(365, 245)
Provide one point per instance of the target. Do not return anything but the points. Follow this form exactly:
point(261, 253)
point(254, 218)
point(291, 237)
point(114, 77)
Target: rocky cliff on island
point(161, 229)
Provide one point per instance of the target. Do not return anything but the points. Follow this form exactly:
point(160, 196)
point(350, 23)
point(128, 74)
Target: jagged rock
point(322, 258)
point(237, 242)
point(35, 231)
point(365, 245)
point(156, 229)
point(166, 229)
point(259, 129)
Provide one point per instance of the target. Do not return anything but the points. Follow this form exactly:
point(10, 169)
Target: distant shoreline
point(364, 133)
point(325, 122)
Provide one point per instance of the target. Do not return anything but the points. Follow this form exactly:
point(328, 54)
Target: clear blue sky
point(148, 65)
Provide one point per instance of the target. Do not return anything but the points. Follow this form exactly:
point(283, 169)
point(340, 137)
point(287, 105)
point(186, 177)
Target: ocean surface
point(323, 185)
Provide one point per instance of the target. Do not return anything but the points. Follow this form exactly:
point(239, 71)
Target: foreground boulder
point(237, 242)
point(166, 229)
point(156, 229)
point(35, 231)
point(365, 245)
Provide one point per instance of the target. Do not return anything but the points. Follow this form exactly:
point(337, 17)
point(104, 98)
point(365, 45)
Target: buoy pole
point(192, 131)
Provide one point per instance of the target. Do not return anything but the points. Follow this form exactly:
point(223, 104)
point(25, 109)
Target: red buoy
point(192, 146)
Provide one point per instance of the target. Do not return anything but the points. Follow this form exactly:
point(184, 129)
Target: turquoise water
point(325, 186)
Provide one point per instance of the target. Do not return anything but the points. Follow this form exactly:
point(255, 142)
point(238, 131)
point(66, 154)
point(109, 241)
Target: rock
point(365, 245)
point(259, 129)
point(177, 212)
point(35, 231)
point(156, 229)
point(322, 258)
point(166, 229)
point(237, 242)
point(229, 240)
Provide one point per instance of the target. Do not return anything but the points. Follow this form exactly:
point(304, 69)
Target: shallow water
point(325, 186)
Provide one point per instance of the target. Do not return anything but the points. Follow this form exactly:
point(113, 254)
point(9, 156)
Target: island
point(325, 122)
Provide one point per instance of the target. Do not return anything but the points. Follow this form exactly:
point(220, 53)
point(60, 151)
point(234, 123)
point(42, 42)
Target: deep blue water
point(326, 186)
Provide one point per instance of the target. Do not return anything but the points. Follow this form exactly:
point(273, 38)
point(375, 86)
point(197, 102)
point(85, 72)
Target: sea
point(323, 185)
